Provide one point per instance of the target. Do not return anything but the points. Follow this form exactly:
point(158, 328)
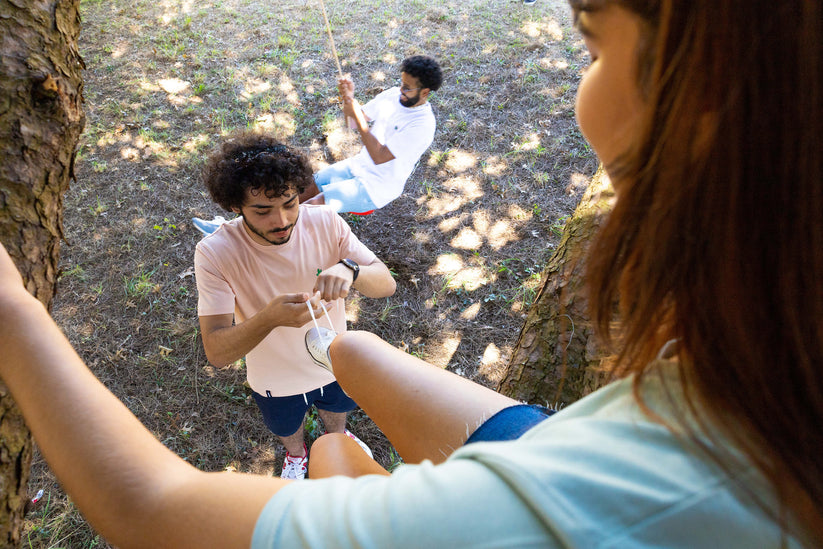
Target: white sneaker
point(360, 442)
point(207, 227)
point(318, 340)
point(294, 468)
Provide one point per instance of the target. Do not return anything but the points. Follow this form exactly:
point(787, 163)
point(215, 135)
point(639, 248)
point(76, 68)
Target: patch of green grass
point(395, 460)
point(285, 41)
point(77, 271)
point(100, 206)
point(165, 229)
point(313, 425)
point(558, 226)
point(141, 284)
point(229, 392)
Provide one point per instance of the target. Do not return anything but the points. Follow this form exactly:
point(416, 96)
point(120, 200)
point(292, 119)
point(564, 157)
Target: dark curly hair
point(425, 69)
point(252, 161)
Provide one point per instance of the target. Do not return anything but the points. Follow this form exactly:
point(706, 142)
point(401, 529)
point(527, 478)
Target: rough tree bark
point(41, 119)
point(556, 359)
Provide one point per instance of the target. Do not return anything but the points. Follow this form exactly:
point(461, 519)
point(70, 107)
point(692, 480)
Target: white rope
point(325, 311)
point(331, 39)
point(349, 121)
point(328, 316)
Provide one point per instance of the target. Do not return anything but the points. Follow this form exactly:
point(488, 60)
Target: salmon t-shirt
point(237, 275)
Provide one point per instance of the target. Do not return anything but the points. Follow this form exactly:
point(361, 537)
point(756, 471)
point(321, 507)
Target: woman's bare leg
point(426, 412)
point(337, 454)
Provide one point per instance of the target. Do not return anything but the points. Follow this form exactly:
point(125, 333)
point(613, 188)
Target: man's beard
point(410, 101)
point(265, 235)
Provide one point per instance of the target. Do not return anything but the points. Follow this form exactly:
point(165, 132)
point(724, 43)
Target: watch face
point(353, 266)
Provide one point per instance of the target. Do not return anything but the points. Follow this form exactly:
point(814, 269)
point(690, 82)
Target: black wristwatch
point(353, 266)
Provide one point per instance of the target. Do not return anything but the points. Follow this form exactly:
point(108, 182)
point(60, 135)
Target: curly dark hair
point(252, 161)
point(425, 69)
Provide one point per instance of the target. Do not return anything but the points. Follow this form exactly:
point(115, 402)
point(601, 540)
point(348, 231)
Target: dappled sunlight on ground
point(456, 274)
point(288, 91)
point(500, 234)
point(467, 239)
point(530, 142)
point(549, 63)
point(381, 77)
point(173, 86)
point(282, 124)
point(550, 30)
point(460, 161)
point(255, 86)
point(441, 350)
point(119, 51)
point(470, 312)
point(447, 264)
point(577, 184)
point(174, 8)
point(196, 143)
point(494, 166)
point(465, 190)
point(352, 310)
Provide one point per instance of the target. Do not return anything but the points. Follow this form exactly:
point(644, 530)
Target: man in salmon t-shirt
point(261, 278)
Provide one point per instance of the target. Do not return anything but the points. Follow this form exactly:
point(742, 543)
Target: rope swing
point(349, 122)
point(331, 38)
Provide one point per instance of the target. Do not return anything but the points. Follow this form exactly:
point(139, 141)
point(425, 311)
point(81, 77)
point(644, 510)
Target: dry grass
point(467, 241)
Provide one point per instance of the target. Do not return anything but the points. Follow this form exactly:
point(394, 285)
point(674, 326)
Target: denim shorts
point(284, 415)
point(510, 423)
point(342, 190)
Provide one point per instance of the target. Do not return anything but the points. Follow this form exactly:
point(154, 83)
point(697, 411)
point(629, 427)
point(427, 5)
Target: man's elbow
point(388, 288)
point(217, 363)
point(383, 155)
point(214, 358)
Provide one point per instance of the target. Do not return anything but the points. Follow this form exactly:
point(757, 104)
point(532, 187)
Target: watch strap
point(355, 268)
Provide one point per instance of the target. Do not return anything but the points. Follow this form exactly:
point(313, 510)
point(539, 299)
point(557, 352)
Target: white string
point(328, 316)
point(311, 312)
point(325, 311)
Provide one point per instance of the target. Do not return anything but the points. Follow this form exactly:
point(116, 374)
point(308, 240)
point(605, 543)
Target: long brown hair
point(716, 238)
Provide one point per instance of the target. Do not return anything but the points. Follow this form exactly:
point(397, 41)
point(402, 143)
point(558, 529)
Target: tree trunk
point(556, 359)
point(41, 119)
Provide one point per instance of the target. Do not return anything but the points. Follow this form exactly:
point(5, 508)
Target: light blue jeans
point(342, 190)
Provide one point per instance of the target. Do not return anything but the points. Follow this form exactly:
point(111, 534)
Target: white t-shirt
point(237, 275)
point(598, 474)
point(406, 132)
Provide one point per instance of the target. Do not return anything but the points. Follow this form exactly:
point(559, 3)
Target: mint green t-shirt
point(597, 474)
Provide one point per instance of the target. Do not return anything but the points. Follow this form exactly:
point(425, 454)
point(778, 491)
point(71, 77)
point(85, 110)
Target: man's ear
point(236, 210)
point(424, 93)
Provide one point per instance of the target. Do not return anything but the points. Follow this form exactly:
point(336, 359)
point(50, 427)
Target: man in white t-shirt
point(396, 128)
point(261, 278)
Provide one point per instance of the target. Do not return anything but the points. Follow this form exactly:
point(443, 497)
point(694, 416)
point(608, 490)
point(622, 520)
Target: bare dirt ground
point(166, 79)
